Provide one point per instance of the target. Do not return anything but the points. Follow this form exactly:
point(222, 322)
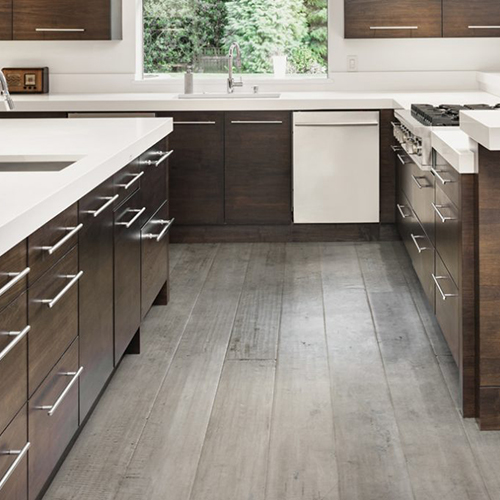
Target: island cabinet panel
point(392, 18)
point(96, 294)
point(63, 20)
point(463, 18)
point(13, 360)
point(127, 273)
point(53, 419)
point(5, 19)
point(13, 274)
point(197, 167)
point(258, 168)
point(15, 438)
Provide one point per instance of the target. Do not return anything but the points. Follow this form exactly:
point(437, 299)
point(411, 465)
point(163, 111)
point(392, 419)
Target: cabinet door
point(197, 168)
point(5, 19)
point(392, 18)
point(127, 266)
point(258, 168)
point(463, 18)
point(62, 19)
point(96, 294)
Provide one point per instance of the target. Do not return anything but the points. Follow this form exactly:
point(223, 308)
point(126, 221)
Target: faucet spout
point(231, 83)
point(4, 92)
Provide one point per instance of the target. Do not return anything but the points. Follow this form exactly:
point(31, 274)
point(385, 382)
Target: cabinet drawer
point(422, 197)
point(404, 172)
point(95, 203)
point(13, 273)
point(127, 273)
point(447, 307)
point(47, 245)
point(154, 237)
point(463, 18)
point(127, 181)
point(13, 359)
point(53, 316)
point(447, 180)
point(154, 187)
point(14, 459)
point(405, 219)
point(53, 419)
point(448, 233)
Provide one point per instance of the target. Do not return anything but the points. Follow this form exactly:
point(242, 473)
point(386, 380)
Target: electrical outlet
point(352, 63)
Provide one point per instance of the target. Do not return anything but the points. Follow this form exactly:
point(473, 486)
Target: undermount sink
point(224, 95)
point(36, 163)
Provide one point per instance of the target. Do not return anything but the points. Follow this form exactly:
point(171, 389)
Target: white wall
point(73, 65)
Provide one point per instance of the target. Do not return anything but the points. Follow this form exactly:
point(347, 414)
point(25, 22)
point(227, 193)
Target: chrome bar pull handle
point(338, 124)
point(16, 278)
point(443, 218)
point(418, 237)
point(62, 241)
point(52, 408)
point(415, 180)
point(256, 122)
point(194, 123)
point(402, 160)
point(164, 231)
point(442, 179)
point(400, 208)
point(73, 280)
point(60, 30)
point(444, 296)
point(20, 455)
point(394, 27)
point(99, 211)
point(132, 182)
point(491, 27)
point(18, 336)
point(137, 212)
point(397, 149)
point(157, 163)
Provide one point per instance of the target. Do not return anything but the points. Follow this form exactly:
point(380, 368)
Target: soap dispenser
point(188, 80)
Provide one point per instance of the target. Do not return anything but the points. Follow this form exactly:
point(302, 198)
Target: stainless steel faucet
point(231, 83)
point(4, 92)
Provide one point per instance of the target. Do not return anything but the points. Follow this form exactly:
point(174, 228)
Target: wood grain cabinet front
point(258, 170)
point(14, 272)
point(14, 448)
point(5, 19)
point(14, 330)
point(463, 18)
point(95, 297)
point(127, 273)
point(53, 419)
point(53, 317)
point(392, 18)
point(127, 181)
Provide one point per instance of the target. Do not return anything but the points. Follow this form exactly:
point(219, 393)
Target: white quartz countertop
point(456, 148)
point(30, 199)
point(483, 127)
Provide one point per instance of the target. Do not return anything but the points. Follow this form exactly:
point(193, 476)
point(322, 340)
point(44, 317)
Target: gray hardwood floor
point(285, 372)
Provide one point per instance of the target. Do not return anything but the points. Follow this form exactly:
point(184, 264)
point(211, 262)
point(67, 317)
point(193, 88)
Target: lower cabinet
point(53, 419)
point(127, 273)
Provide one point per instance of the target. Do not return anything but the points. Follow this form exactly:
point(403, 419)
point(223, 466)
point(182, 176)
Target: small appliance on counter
point(27, 80)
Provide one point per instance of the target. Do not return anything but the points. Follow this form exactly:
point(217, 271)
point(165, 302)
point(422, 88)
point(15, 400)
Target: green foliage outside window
point(178, 33)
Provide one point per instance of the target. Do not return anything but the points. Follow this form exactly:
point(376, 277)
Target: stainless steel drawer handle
point(415, 180)
point(20, 455)
point(16, 278)
point(442, 179)
point(338, 124)
point(491, 27)
point(61, 30)
point(194, 123)
point(160, 161)
point(397, 149)
point(62, 241)
point(99, 211)
point(137, 212)
point(444, 296)
point(394, 27)
point(18, 336)
point(73, 280)
point(257, 122)
point(418, 237)
point(132, 182)
point(441, 216)
point(403, 160)
point(52, 409)
point(400, 208)
point(164, 231)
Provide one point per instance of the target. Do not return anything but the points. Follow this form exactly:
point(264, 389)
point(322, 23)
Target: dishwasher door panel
point(336, 167)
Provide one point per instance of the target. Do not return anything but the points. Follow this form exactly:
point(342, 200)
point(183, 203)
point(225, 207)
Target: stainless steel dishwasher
point(336, 163)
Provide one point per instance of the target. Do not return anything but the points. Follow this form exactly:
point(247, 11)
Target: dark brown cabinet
point(5, 19)
point(127, 273)
point(13, 274)
point(197, 167)
point(96, 293)
point(66, 20)
point(465, 18)
point(258, 167)
point(393, 18)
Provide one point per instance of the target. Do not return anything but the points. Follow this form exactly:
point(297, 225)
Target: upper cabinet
point(5, 19)
point(466, 18)
point(64, 19)
point(393, 18)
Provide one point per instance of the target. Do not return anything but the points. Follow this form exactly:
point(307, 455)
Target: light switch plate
point(352, 63)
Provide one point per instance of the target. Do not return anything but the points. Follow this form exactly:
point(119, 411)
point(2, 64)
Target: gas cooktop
point(445, 115)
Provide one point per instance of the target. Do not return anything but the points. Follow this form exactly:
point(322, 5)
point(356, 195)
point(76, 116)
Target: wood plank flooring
point(311, 371)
